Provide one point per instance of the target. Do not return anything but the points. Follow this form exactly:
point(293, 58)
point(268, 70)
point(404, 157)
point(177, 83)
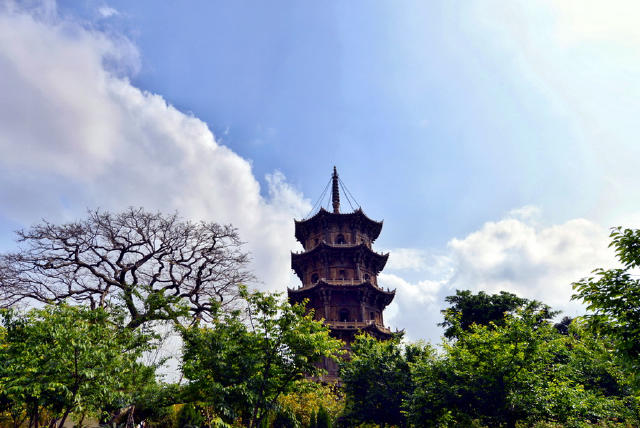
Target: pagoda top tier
point(356, 219)
point(356, 222)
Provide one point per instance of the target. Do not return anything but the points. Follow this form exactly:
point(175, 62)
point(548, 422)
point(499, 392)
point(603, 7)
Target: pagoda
point(339, 273)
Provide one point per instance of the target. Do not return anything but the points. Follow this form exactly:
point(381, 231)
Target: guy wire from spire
point(347, 193)
point(319, 201)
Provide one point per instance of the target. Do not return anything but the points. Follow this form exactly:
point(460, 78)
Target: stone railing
point(342, 281)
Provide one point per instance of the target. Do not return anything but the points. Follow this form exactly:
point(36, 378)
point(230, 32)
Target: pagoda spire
point(335, 194)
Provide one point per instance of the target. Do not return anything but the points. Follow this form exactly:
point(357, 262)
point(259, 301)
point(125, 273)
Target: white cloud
point(407, 259)
point(74, 133)
point(107, 11)
point(532, 261)
point(515, 254)
point(415, 308)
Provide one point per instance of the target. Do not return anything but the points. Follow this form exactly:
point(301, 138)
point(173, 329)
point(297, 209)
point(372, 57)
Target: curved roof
point(358, 216)
point(298, 259)
point(299, 294)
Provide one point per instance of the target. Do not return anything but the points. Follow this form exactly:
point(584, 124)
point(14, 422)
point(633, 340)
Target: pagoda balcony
point(333, 245)
point(355, 325)
point(342, 282)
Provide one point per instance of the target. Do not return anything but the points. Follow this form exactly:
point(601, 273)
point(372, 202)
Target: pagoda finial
point(335, 192)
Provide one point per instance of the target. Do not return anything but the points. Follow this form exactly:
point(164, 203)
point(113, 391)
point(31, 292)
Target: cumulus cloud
point(515, 254)
point(531, 261)
point(416, 307)
point(75, 133)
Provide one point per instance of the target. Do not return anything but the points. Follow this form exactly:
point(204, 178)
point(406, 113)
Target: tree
point(157, 267)
point(323, 420)
point(613, 297)
point(522, 372)
point(244, 361)
point(62, 359)
point(376, 380)
point(482, 308)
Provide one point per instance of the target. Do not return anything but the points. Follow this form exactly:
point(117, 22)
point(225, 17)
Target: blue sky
point(497, 140)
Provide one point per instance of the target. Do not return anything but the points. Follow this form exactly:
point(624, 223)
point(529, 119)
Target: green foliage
point(376, 379)
point(64, 359)
point(323, 420)
point(189, 415)
point(285, 418)
point(523, 371)
point(244, 361)
point(157, 405)
point(313, 419)
point(307, 398)
point(484, 309)
point(613, 297)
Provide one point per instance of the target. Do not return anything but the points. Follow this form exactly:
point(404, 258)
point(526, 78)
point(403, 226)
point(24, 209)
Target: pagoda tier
point(354, 227)
point(380, 296)
point(338, 262)
point(347, 308)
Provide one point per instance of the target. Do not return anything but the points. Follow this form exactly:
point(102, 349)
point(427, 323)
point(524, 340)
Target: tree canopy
point(483, 309)
point(64, 359)
point(245, 360)
point(155, 266)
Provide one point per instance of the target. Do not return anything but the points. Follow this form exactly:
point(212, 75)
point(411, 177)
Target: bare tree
point(155, 266)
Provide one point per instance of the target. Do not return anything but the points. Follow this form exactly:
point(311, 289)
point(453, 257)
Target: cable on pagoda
point(319, 201)
point(347, 193)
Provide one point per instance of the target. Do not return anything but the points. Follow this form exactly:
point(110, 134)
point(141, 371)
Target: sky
point(497, 140)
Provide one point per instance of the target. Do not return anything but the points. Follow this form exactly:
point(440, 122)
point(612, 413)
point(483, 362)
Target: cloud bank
point(76, 134)
point(515, 254)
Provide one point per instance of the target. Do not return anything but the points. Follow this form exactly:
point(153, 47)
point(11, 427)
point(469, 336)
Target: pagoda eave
point(357, 216)
point(298, 259)
point(299, 294)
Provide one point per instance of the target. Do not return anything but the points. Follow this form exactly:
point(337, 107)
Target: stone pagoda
point(339, 273)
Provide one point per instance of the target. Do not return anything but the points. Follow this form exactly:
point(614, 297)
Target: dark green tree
point(313, 419)
point(323, 420)
point(482, 309)
point(189, 416)
point(376, 380)
point(522, 372)
point(244, 361)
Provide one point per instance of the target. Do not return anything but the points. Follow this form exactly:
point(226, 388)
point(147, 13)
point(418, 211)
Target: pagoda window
point(372, 316)
point(344, 315)
point(315, 241)
point(342, 274)
point(314, 278)
point(367, 277)
point(340, 239)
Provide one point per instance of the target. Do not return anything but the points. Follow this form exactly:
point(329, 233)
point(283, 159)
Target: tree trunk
point(64, 417)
